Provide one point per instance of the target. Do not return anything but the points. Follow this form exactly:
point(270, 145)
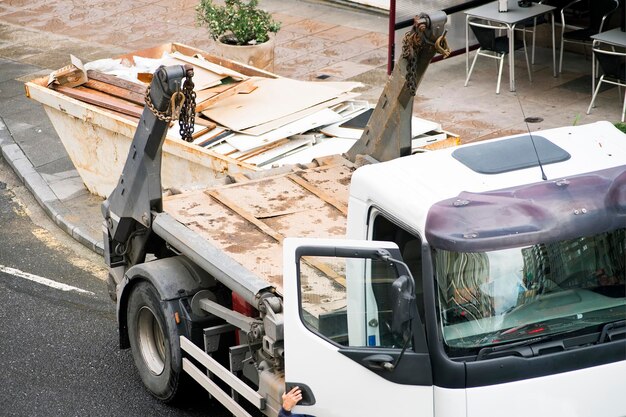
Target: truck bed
point(248, 220)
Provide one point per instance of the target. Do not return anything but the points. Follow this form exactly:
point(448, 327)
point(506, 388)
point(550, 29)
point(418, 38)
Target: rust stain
point(337, 231)
point(344, 181)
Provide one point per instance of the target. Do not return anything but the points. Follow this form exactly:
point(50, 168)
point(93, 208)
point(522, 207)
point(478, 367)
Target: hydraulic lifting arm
point(127, 211)
point(388, 133)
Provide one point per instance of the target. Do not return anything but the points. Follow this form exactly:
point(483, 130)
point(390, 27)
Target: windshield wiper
point(519, 348)
point(555, 342)
point(613, 331)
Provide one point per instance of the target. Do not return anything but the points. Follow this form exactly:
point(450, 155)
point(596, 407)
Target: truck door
point(354, 341)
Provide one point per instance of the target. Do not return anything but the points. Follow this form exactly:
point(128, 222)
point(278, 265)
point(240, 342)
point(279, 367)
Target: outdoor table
point(510, 19)
point(614, 37)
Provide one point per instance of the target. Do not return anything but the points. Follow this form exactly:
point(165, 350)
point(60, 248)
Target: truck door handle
point(307, 394)
point(379, 361)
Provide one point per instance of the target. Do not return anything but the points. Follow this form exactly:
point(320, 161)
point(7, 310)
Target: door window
point(349, 300)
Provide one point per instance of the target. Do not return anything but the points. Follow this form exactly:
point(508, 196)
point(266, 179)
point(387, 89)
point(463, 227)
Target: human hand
point(291, 398)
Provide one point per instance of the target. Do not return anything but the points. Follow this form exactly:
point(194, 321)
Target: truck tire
point(154, 342)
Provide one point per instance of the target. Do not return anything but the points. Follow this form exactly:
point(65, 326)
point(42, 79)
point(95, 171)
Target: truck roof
point(407, 187)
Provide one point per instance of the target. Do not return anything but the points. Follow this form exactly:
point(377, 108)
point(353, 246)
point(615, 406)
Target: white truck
point(481, 280)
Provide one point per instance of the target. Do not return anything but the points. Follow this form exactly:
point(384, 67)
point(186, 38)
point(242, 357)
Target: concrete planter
point(258, 56)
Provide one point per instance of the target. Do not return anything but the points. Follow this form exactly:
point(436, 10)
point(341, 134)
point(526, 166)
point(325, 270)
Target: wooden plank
point(101, 100)
point(116, 91)
point(322, 267)
point(243, 87)
point(204, 122)
point(246, 215)
point(116, 81)
point(319, 193)
point(226, 86)
point(209, 66)
point(326, 270)
point(262, 149)
point(204, 95)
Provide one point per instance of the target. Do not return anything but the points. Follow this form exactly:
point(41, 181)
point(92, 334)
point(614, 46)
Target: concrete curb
point(34, 182)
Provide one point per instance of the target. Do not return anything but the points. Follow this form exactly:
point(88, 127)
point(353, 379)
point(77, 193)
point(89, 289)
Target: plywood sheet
point(333, 180)
point(248, 220)
point(273, 99)
point(275, 124)
point(245, 142)
point(333, 146)
point(202, 78)
point(229, 232)
point(271, 197)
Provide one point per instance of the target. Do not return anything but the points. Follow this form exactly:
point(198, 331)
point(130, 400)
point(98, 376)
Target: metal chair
point(613, 66)
point(494, 47)
point(530, 26)
point(599, 12)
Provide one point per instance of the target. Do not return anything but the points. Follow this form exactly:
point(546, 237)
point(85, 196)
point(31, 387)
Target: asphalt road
point(59, 352)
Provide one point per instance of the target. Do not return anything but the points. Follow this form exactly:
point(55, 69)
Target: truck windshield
point(515, 294)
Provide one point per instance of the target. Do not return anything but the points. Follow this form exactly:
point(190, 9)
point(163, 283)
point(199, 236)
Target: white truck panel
point(341, 386)
point(567, 394)
point(409, 186)
point(450, 402)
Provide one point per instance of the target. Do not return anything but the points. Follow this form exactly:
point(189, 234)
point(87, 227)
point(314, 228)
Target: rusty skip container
point(98, 140)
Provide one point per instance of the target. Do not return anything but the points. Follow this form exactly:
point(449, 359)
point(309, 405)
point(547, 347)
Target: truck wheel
point(154, 342)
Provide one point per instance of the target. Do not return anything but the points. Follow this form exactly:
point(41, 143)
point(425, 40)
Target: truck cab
point(516, 252)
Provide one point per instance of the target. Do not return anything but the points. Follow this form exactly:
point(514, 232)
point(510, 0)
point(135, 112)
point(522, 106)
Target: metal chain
point(182, 107)
point(411, 44)
point(188, 110)
point(172, 112)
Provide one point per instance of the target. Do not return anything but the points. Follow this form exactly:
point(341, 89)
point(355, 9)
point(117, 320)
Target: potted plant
point(242, 31)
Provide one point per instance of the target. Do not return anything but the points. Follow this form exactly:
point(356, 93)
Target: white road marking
point(41, 280)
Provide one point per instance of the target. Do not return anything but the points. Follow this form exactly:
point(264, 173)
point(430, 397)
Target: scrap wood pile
point(263, 121)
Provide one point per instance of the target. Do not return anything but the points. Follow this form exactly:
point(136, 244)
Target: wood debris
point(243, 113)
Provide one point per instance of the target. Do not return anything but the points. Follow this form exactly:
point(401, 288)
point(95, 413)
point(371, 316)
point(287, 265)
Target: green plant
point(236, 22)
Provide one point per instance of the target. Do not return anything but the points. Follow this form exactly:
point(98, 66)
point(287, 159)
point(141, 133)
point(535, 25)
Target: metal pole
point(392, 36)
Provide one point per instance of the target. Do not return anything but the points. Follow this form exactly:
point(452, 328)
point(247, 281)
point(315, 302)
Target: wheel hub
point(151, 341)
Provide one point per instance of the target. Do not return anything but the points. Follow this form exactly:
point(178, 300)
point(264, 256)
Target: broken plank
point(244, 87)
point(102, 100)
point(116, 81)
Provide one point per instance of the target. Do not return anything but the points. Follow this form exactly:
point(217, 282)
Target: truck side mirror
point(403, 303)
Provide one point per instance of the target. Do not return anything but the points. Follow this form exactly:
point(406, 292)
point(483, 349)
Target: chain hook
point(176, 104)
point(441, 45)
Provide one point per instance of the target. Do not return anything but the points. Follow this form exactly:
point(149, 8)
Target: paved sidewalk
point(343, 43)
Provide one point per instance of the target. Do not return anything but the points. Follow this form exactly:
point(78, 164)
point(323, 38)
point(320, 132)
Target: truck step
point(216, 369)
